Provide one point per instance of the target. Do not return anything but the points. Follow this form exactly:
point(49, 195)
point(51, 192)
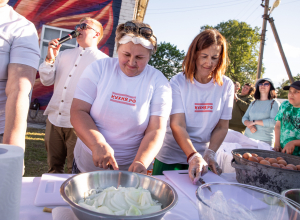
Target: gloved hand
point(197, 167)
point(209, 157)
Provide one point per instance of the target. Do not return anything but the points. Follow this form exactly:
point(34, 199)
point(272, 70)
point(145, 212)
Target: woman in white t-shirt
point(201, 109)
point(121, 106)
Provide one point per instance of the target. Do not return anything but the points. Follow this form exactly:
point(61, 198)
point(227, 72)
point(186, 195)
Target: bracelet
point(50, 60)
point(191, 154)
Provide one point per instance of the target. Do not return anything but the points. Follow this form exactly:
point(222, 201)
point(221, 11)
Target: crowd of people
point(121, 113)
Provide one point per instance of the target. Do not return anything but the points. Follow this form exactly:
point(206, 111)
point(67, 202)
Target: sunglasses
point(264, 84)
point(84, 26)
point(146, 32)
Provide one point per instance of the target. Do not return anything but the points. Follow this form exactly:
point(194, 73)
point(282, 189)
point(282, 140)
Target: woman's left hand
point(252, 129)
point(209, 157)
point(137, 167)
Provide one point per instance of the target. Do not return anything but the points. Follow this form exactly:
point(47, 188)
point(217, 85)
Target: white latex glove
point(197, 167)
point(209, 157)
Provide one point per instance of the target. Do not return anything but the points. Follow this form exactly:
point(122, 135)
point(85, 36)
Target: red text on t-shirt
point(123, 99)
point(203, 107)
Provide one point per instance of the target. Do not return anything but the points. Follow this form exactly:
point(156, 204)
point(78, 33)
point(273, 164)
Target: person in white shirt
point(19, 60)
point(201, 110)
point(121, 106)
point(63, 69)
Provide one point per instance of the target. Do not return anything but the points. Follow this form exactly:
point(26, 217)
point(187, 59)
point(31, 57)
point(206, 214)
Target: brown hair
point(252, 88)
point(202, 41)
point(97, 23)
point(272, 93)
point(120, 32)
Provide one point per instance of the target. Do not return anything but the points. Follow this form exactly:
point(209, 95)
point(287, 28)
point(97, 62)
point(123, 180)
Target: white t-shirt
point(18, 44)
point(122, 106)
point(204, 105)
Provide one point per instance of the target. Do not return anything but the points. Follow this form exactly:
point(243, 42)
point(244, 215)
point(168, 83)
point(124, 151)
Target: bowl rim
point(288, 201)
point(90, 212)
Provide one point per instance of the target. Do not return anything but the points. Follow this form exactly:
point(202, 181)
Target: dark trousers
point(60, 143)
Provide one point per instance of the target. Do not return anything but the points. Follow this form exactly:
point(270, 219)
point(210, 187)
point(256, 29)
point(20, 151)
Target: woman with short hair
point(260, 115)
point(121, 106)
point(201, 109)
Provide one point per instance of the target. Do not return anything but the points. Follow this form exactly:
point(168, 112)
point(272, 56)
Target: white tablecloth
point(184, 210)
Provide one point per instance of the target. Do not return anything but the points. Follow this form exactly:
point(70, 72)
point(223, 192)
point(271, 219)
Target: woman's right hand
point(197, 168)
point(103, 155)
point(53, 48)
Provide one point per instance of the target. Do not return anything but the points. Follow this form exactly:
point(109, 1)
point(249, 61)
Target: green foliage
point(243, 49)
point(168, 59)
point(283, 94)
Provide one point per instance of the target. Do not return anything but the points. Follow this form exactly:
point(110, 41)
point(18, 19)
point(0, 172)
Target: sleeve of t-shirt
point(86, 89)
point(177, 105)
point(25, 49)
point(228, 105)
point(161, 102)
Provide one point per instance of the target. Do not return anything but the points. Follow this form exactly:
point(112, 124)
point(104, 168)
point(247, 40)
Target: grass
point(35, 153)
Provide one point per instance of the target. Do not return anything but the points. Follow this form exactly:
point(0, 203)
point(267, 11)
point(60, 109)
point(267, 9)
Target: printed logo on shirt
point(123, 99)
point(203, 107)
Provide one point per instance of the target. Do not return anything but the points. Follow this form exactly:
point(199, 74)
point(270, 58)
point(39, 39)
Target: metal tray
point(267, 177)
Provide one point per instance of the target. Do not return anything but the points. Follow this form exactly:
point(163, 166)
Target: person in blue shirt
point(259, 117)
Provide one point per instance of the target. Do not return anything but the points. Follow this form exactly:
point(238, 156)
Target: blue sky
point(179, 21)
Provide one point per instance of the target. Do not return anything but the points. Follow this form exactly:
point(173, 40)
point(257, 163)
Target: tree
point(283, 94)
point(243, 49)
point(168, 59)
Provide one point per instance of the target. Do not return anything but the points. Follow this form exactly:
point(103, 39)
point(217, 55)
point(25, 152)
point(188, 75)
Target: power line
point(244, 21)
point(198, 9)
point(243, 9)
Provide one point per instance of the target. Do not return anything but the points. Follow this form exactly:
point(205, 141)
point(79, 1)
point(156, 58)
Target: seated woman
point(201, 109)
point(121, 106)
point(259, 117)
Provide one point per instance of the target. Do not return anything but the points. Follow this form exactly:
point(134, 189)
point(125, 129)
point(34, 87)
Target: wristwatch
point(253, 121)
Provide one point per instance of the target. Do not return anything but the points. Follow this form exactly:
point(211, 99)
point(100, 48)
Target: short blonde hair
point(120, 32)
point(97, 23)
point(202, 41)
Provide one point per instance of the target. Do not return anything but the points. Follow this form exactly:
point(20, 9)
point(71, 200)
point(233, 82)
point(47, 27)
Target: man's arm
point(243, 105)
point(20, 81)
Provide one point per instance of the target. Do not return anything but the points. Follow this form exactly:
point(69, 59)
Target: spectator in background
point(287, 128)
point(237, 87)
point(259, 117)
point(240, 106)
point(63, 69)
point(19, 60)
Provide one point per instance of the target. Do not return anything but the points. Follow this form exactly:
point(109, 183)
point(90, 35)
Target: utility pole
point(262, 39)
point(286, 65)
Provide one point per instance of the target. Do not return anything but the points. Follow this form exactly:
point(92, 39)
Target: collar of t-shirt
point(131, 77)
point(4, 8)
point(202, 85)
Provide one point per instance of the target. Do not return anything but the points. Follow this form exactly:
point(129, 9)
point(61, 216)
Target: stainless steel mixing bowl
point(76, 188)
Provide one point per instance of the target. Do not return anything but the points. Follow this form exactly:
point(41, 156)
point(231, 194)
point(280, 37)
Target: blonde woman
point(121, 106)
